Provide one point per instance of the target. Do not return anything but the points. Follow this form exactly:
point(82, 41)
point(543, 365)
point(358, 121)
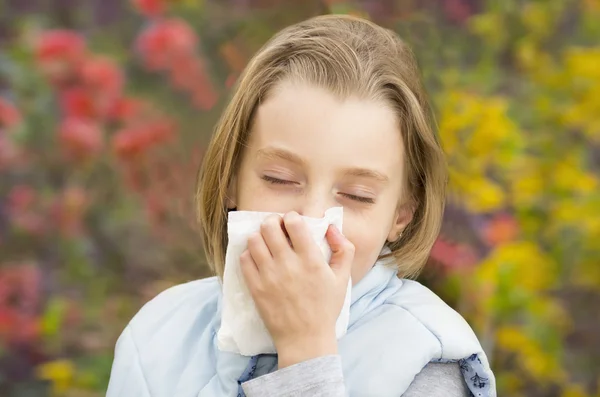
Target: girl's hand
point(297, 293)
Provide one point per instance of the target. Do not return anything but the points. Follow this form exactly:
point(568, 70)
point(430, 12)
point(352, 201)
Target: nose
point(314, 205)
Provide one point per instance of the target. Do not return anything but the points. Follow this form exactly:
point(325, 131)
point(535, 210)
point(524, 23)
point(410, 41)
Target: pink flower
point(9, 115)
point(126, 109)
point(60, 44)
point(150, 8)
point(102, 76)
point(131, 142)
point(165, 43)
point(80, 138)
point(19, 303)
point(453, 256)
point(79, 103)
point(21, 197)
point(23, 212)
point(58, 52)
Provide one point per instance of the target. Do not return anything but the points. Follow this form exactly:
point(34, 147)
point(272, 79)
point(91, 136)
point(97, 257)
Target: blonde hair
point(348, 56)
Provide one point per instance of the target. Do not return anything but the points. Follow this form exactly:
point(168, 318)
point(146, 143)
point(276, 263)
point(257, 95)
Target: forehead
point(328, 131)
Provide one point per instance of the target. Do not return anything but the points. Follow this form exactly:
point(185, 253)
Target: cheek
point(368, 240)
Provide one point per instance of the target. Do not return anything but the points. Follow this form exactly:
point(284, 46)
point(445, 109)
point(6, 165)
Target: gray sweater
point(322, 377)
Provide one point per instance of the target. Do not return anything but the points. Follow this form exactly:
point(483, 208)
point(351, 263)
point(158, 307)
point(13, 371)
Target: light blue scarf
point(396, 328)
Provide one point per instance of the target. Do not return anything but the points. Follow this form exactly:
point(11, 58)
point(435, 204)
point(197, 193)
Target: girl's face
point(309, 151)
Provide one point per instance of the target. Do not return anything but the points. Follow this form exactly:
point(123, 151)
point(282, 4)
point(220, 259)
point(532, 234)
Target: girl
point(330, 112)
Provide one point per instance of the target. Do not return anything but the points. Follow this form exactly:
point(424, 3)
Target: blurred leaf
point(53, 317)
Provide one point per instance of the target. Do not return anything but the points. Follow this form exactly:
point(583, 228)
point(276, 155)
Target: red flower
point(162, 130)
point(9, 115)
point(165, 43)
point(60, 44)
point(21, 197)
point(80, 138)
point(150, 8)
point(19, 301)
point(102, 76)
point(22, 210)
point(79, 103)
point(182, 36)
point(131, 142)
point(128, 143)
point(58, 52)
point(453, 256)
point(126, 109)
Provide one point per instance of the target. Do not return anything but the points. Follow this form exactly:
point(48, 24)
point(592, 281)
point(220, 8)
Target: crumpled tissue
point(242, 330)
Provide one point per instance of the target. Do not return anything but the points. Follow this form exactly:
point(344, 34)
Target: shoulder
point(453, 332)
point(176, 310)
point(160, 339)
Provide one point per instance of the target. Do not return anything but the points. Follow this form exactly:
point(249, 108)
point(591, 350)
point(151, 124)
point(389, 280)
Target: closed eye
point(360, 199)
point(277, 181)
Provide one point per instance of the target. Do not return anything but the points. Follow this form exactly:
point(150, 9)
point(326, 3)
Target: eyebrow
point(367, 173)
point(272, 153)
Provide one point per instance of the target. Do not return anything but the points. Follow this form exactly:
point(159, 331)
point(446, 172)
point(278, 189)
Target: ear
point(403, 216)
point(231, 198)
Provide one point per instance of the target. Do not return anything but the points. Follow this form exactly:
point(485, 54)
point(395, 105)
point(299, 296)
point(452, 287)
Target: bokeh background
point(106, 107)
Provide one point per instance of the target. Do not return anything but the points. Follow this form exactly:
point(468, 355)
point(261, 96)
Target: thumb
point(342, 252)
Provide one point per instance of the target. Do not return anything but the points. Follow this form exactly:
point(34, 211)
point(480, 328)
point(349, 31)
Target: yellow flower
point(538, 19)
point(526, 188)
point(483, 195)
point(59, 372)
point(582, 215)
point(581, 82)
point(491, 27)
point(533, 358)
point(530, 269)
point(569, 176)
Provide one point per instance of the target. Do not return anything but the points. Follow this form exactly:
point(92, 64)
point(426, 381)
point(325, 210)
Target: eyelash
point(277, 181)
point(366, 200)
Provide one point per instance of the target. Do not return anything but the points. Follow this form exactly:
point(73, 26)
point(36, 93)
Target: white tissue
point(242, 330)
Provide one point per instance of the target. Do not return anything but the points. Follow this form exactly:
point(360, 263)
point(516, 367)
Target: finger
point(259, 251)
point(274, 236)
point(250, 271)
point(296, 227)
point(342, 252)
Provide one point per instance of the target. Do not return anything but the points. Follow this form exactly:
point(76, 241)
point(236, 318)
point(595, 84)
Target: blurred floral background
point(106, 107)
